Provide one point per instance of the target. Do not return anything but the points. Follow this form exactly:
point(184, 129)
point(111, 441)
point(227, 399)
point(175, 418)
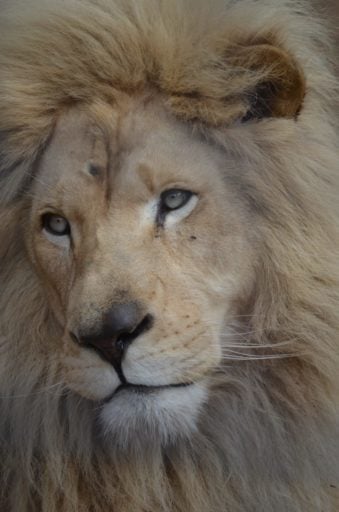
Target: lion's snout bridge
point(121, 324)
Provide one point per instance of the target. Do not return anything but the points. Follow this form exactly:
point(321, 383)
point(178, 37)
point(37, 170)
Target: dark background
point(330, 8)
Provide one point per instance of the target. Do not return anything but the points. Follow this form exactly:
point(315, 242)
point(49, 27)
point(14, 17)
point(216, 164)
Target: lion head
point(168, 258)
point(123, 224)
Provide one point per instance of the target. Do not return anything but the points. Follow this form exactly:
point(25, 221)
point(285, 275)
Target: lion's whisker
point(43, 390)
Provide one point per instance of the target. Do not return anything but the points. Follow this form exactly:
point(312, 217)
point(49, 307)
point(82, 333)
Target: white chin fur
point(160, 415)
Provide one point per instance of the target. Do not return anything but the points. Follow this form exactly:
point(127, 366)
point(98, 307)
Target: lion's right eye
point(55, 224)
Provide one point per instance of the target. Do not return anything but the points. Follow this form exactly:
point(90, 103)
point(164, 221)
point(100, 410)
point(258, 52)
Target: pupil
point(175, 196)
point(59, 223)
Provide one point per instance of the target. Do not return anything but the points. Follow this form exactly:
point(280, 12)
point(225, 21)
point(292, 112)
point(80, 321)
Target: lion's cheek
point(54, 269)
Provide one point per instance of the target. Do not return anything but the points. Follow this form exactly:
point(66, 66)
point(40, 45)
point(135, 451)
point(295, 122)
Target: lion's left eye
point(175, 204)
point(174, 198)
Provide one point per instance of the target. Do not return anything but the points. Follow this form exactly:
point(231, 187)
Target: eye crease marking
point(150, 211)
point(146, 175)
point(97, 163)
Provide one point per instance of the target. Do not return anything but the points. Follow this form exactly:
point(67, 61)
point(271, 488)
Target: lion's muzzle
point(120, 326)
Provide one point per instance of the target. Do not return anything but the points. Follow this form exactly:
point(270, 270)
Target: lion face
point(129, 215)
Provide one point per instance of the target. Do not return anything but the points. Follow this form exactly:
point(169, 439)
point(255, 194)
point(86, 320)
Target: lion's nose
point(120, 326)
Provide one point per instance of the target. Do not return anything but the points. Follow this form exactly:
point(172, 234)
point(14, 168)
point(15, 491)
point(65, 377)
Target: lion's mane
point(268, 438)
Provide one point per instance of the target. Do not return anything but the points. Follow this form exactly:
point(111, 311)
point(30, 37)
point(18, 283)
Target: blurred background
point(333, 7)
point(331, 10)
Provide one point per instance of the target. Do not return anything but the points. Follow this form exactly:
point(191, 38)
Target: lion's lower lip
point(144, 389)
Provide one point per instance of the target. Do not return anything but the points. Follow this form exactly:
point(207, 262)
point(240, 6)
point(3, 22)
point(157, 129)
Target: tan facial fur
point(107, 181)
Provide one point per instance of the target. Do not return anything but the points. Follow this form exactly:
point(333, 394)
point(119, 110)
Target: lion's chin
point(139, 414)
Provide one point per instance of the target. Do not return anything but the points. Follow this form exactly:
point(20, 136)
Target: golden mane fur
point(268, 437)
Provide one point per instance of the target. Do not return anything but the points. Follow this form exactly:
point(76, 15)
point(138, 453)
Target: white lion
point(169, 258)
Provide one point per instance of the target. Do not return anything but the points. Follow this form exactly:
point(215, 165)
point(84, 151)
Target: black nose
point(120, 325)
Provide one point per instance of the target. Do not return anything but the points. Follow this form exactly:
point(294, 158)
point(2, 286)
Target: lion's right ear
point(279, 85)
point(253, 80)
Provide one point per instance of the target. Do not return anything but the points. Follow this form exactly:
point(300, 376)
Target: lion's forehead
point(138, 155)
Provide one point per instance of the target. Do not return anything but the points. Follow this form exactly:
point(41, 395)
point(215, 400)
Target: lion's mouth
point(143, 389)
